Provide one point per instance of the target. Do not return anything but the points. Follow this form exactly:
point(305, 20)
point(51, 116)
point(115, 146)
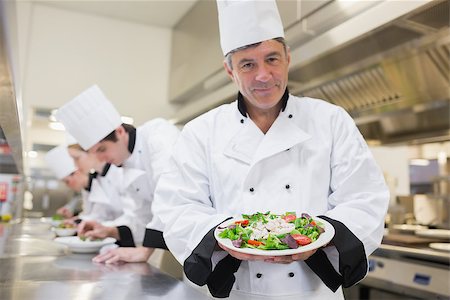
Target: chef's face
point(76, 181)
point(261, 73)
point(83, 160)
point(113, 152)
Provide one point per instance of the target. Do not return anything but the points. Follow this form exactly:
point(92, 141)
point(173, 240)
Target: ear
point(120, 131)
point(228, 70)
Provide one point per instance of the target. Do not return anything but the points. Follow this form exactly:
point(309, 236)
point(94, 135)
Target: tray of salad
point(274, 235)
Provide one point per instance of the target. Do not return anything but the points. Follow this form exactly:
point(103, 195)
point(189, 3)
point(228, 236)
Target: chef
point(270, 151)
point(120, 222)
point(62, 165)
point(143, 153)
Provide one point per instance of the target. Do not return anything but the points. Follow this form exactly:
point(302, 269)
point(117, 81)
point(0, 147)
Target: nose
point(263, 73)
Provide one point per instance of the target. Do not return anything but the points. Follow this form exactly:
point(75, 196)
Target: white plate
point(78, 246)
point(440, 246)
point(323, 239)
point(434, 233)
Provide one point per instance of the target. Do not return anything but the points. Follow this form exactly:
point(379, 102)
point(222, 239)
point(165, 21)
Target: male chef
point(143, 153)
point(107, 187)
point(270, 151)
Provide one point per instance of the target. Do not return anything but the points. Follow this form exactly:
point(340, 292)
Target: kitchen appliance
point(405, 272)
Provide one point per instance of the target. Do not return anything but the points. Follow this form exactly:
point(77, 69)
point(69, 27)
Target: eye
point(247, 67)
point(273, 60)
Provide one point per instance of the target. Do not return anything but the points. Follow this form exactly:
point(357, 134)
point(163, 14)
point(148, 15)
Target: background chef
point(62, 165)
point(119, 219)
point(142, 152)
point(270, 151)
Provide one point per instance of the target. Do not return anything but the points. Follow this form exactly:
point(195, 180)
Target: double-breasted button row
point(287, 187)
point(290, 274)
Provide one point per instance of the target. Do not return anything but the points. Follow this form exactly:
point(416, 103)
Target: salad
point(266, 231)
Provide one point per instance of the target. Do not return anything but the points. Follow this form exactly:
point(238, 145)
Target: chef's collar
point(105, 169)
point(243, 109)
point(92, 176)
point(131, 137)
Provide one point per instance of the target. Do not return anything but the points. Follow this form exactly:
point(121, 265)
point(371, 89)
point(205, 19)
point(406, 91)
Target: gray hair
point(229, 55)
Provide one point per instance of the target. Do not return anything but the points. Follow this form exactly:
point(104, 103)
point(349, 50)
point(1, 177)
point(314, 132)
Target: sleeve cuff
point(125, 237)
point(198, 268)
point(154, 239)
point(352, 259)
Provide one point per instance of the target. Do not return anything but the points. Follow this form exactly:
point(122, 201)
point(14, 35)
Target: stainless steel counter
point(32, 266)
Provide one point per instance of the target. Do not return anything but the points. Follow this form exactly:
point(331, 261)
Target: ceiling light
point(56, 126)
point(32, 154)
point(52, 115)
point(127, 120)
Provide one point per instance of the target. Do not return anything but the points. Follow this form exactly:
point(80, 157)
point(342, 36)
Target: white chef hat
point(70, 140)
point(60, 162)
point(246, 22)
point(89, 117)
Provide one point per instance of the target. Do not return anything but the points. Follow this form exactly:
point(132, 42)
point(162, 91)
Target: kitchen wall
point(62, 52)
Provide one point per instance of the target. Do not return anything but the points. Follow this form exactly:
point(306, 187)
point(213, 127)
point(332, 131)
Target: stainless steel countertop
point(32, 266)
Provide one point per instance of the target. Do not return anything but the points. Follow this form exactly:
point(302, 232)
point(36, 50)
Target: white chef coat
point(313, 159)
point(130, 212)
point(99, 202)
point(149, 159)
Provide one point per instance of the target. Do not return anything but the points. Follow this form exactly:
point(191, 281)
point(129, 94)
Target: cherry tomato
point(242, 222)
point(290, 218)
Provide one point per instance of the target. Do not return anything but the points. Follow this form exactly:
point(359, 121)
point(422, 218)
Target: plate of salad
point(274, 235)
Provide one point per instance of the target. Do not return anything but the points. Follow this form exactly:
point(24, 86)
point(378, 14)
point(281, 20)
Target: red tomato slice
point(243, 222)
point(290, 218)
point(301, 239)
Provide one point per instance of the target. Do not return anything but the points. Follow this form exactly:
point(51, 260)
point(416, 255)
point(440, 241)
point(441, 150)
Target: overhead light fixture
point(56, 126)
point(32, 154)
point(52, 115)
point(127, 120)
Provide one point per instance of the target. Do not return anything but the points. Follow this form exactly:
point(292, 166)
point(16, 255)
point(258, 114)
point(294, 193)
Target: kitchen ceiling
point(164, 13)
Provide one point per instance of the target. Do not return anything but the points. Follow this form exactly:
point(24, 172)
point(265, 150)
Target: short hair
point(76, 147)
point(112, 135)
point(229, 55)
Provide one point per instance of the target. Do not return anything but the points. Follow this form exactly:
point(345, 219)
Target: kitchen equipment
point(434, 233)
point(440, 246)
point(407, 228)
point(432, 210)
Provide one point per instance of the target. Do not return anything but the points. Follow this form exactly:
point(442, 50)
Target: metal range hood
point(393, 80)
point(385, 62)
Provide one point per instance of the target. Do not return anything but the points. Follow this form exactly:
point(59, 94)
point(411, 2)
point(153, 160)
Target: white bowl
point(65, 231)
point(56, 223)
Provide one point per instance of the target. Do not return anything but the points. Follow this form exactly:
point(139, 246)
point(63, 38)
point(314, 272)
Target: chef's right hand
point(94, 230)
point(87, 226)
point(65, 212)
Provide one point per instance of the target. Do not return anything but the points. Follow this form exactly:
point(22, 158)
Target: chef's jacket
point(150, 146)
point(312, 159)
